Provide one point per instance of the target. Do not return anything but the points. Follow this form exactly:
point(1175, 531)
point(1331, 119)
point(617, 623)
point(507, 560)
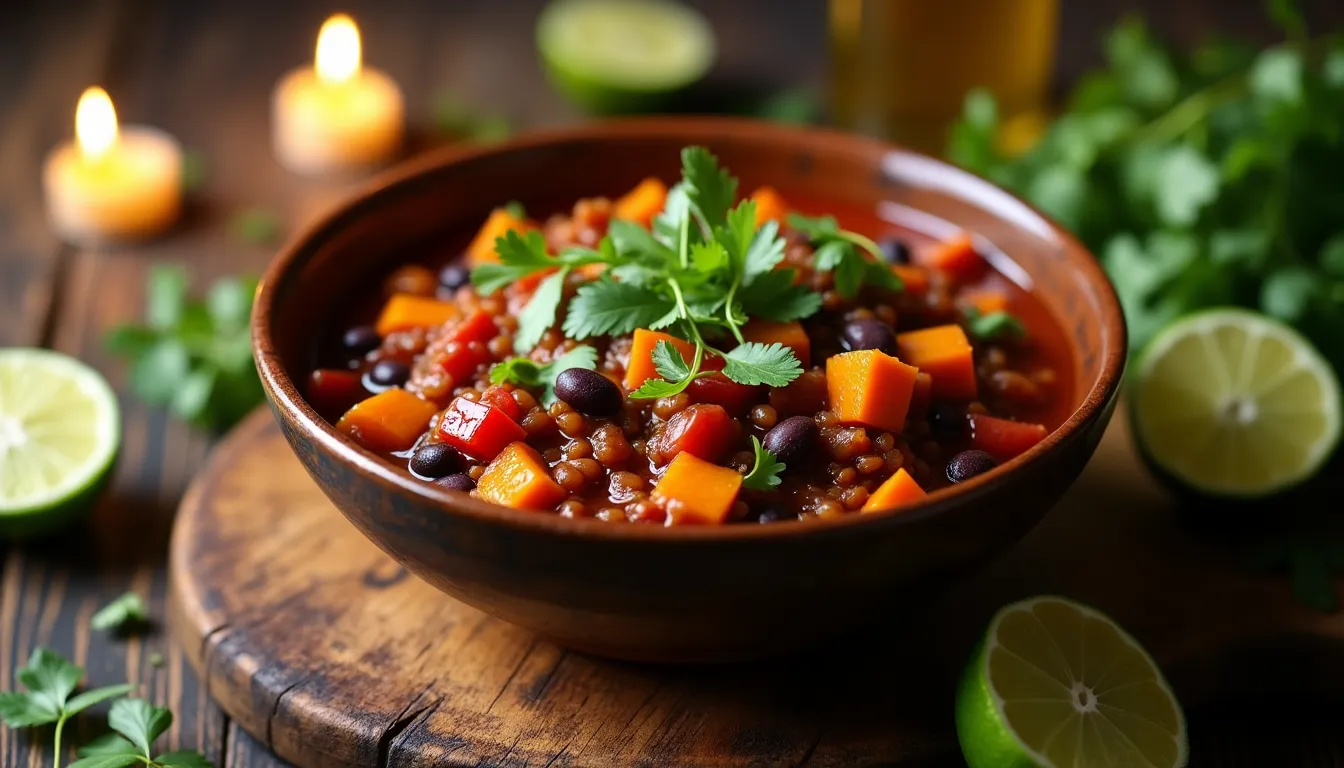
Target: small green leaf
point(993, 326)
point(125, 610)
point(816, 228)
point(49, 678)
point(773, 296)
point(710, 189)
point(656, 388)
point(108, 744)
point(156, 376)
point(256, 226)
point(139, 721)
point(516, 370)
point(539, 314)
point(1186, 183)
point(166, 297)
point(83, 701)
point(21, 710)
point(1276, 76)
point(669, 363)
point(1287, 293)
point(229, 302)
point(1060, 191)
point(774, 365)
point(764, 254)
point(605, 307)
point(628, 238)
point(764, 473)
point(709, 257)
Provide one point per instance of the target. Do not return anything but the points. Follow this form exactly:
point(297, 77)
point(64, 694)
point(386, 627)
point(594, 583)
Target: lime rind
point(984, 728)
point(43, 382)
point(1235, 358)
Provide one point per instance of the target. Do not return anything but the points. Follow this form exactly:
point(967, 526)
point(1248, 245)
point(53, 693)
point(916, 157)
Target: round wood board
point(319, 644)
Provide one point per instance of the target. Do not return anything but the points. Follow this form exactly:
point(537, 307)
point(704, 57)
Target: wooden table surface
point(203, 71)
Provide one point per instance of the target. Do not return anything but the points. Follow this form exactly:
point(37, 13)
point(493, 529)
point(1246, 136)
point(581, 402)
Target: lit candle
point(338, 115)
point(112, 184)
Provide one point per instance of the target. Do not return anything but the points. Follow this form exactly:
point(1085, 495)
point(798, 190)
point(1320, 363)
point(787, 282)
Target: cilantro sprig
point(993, 326)
point(138, 724)
point(527, 373)
point(765, 472)
point(702, 272)
point(842, 252)
point(49, 680)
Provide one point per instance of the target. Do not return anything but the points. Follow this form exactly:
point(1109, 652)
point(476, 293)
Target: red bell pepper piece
point(1001, 438)
point(721, 390)
point(503, 400)
point(332, 392)
point(465, 350)
point(704, 431)
point(478, 430)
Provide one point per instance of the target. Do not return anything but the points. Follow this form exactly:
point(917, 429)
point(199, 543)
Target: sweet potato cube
point(642, 203)
point(405, 310)
point(640, 368)
point(870, 388)
point(897, 490)
point(696, 491)
point(391, 420)
point(482, 247)
point(945, 354)
point(915, 279)
point(790, 335)
point(518, 478)
point(957, 257)
point(770, 205)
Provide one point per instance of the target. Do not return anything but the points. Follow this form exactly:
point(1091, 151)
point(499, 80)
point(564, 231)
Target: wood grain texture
point(318, 644)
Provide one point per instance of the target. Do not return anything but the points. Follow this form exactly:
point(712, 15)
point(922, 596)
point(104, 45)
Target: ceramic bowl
point(690, 593)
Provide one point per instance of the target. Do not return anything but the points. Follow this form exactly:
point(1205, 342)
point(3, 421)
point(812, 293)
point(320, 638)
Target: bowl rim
point(285, 395)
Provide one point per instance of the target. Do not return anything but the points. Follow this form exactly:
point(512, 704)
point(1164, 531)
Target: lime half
point(1059, 685)
point(623, 55)
point(1232, 403)
point(59, 433)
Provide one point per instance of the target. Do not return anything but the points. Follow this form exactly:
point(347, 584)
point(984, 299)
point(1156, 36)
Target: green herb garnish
point(527, 373)
point(193, 357)
point(1202, 180)
point(49, 680)
point(993, 326)
point(841, 251)
point(122, 613)
point(137, 724)
point(702, 273)
point(764, 474)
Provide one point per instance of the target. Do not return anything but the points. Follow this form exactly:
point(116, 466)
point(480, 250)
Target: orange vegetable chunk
point(405, 310)
point(696, 491)
point(1004, 439)
point(642, 203)
point(957, 257)
point(770, 205)
point(790, 335)
point(987, 302)
point(640, 368)
point(518, 478)
point(482, 247)
point(869, 388)
point(944, 353)
point(897, 490)
point(915, 279)
point(391, 420)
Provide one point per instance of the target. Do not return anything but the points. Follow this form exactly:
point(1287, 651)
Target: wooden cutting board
point(320, 645)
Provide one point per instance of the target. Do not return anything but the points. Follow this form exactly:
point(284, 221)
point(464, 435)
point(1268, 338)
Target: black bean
point(946, 419)
point(360, 340)
point(458, 482)
point(588, 392)
point(968, 464)
point(775, 514)
point(453, 276)
point(867, 333)
point(793, 440)
point(386, 374)
point(434, 460)
point(894, 250)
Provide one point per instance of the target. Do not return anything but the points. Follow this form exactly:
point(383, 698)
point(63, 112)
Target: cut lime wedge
point(59, 433)
point(1057, 684)
point(1232, 403)
point(623, 55)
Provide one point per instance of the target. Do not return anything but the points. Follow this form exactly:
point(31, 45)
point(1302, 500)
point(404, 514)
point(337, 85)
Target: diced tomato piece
point(957, 257)
point(502, 399)
point(1001, 438)
point(465, 350)
point(478, 326)
point(721, 390)
point(332, 392)
point(478, 430)
point(703, 430)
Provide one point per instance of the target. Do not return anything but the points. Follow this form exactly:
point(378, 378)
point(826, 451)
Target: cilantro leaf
point(764, 474)
point(539, 314)
point(737, 234)
point(50, 679)
point(124, 611)
point(773, 296)
point(1186, 183)
point(140, 722)
point(764, 253)
point(519, 256)
point(993, 326)
point(516, 370)
point(628, 238)
point(709, 257)
point(752, 363)
point(669, 363)
point(527, 373)
point(667, 360)
point(667, 225)
point(843, 253)
point(605, 307)
point(709, 188)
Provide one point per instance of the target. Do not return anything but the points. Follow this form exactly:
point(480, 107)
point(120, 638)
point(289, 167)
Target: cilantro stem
point(864, 242)
point(56, 748)
point(1190, 111)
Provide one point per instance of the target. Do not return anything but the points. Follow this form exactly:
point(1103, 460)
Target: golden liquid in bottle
point(900, 69)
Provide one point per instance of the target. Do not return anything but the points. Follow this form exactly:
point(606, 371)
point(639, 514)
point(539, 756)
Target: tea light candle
point(336, 116)
point(112, 184)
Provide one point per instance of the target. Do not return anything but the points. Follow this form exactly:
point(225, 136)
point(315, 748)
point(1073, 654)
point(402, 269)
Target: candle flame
point(338, 50)
point(95, 123)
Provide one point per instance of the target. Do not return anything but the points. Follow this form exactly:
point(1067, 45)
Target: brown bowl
point(689, 593)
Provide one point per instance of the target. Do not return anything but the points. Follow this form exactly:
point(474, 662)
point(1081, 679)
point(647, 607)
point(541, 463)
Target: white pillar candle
point(112, 184)
point(338, 115)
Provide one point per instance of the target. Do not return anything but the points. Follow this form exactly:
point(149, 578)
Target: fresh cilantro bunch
point(194, 357)
point(1203, 179)
point(50, 680)
point(702, 273)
